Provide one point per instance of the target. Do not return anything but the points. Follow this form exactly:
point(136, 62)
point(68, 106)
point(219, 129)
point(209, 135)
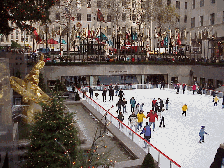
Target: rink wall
point(184, 73)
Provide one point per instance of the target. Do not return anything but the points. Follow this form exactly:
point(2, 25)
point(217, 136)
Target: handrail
point(132, 130)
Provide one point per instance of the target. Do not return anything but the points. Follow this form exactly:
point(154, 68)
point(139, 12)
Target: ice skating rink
point(179, 139)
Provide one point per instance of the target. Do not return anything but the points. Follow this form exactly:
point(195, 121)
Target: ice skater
point(223, 102)
point(132, 102)
point(216, 100)
point(167, 102)
point(162, 120)
point(152, 115)
point(184, 109)
point(202, 133)
point(147, 134)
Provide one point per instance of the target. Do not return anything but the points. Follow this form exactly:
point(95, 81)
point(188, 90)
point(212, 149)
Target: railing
point(162, 159)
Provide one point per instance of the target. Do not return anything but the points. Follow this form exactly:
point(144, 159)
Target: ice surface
point(179, 139)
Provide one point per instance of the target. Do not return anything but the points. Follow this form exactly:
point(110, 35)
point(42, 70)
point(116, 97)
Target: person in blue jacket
point(147, 133)
point(202, 133)
point(132, 102)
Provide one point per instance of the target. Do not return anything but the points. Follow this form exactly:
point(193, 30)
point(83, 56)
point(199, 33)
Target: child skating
point(202, 133)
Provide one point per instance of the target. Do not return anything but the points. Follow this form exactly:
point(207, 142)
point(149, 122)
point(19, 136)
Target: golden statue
point(29, 89)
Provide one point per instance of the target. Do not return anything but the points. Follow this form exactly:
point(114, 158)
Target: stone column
point(91, 79)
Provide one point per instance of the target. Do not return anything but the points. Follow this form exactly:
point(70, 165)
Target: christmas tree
point(148, 162)
point(54, 141)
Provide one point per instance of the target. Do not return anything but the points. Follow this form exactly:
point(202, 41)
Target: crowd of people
point(135, 119)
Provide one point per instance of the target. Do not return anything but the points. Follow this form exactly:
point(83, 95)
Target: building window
point(133, 17)
point(17, 34)
point(201, 3)
point(124, 3)
point(193, 4)
point(57, 3)
point(168, 2)
point(7, 38)
point(185, 5)
point(212, 18)
point(27, 38)
point(178, 4)
point(108, 31)
point(201, 20)
point(178, 18)
point(133, 4)
point(123, 30)
point(99, 4)
point(88, 3)
point(185, 19)
point(192, 22)
point(212, 1)
point(57, 16)
point(108, 18)
point(124, 17)
point(2, 38)
point(79, 17)
point(88, 17)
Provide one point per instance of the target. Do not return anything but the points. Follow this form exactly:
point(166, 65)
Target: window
point(57, 3)
point(185, 5)
point(17, 34)
point(178, 4)
point(124, 3)
point(108, 31)
point(178, 18)
point(123, 30)
point(201, 20)
point(133, 4)
point(201, 3)
point(168, 2)
point(212, 18)
point(108, 18)
point(124, 17)
point(185, 19)
point(192, 22)
point(99, 4)
point(79, 17)
point(88, 3)
point(57, 16)
point(212, 1)
point(133, 17)
point(88, 17)
point(193, 4)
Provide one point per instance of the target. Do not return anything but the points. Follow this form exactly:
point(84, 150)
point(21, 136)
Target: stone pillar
point(143, 79)
point(91, 79)
point(139, 78)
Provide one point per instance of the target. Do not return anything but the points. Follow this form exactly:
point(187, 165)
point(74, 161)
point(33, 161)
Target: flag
point(37, 37)
point(100, 16)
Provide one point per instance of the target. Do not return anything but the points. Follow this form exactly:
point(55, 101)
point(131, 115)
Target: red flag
point(38, 39)
point(100, 16)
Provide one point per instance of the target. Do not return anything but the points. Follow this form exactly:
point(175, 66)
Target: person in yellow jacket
point(140, 117)
point(184, 109)
point(216, 100)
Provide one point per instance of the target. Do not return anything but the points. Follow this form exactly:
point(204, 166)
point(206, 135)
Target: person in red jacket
point(153, 104)
point(152, 115)
point(194, 88)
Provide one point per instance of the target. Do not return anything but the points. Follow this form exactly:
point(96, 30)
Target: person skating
point(141, 107)
point(162, 119)
point(147, 134)
point(184, 109)
point(178, 88)
point(119, 103)
point(121, 118)
point(153, 104)
point(167, 102)
point(132, 102)
point(194, 88)
point(216, 100)
point(90, 92)
point(202, 133)
point(121, 93)
point(111, 93)
point(137, 108)
point(152, 115)
point(184, 87)
point(104, 94)
point(140, 117)
point(161, 104)
point(124, 102)
point(133, 120)
point(116, 89)
point(223, 102)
